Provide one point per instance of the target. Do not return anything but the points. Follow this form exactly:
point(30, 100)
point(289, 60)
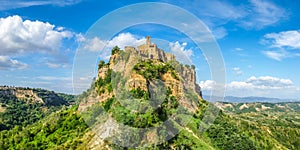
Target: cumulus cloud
point(211, 87)
point(284, 44)
point(104, 47)
point(182, 54)
point(284, 39)
point(125, 39)
point(207, 85)
point(263, 82)
point(95, 44)
point(269, 81)
point(265, 86)
point(6, 63)
point(237, 71)
point(18, 36)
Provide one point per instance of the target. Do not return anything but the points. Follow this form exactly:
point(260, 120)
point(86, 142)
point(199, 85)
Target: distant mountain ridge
point(250, 99)
point(259, 107)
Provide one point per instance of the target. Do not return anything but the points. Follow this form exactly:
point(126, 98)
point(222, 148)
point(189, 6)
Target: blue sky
point(259, 42)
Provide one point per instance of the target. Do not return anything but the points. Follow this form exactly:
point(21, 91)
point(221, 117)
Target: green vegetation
point(115, 50)
point(20, 113)
point(153, 70)
point(104, 84)
point(101, 64)
point(272, 129)
point(139, 93)
point(60, 130)
point(149, 118)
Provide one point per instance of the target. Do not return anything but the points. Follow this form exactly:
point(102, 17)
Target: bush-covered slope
point(17, 111)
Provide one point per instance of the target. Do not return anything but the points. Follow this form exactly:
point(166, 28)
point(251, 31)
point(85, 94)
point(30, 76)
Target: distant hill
point(23, 106)
point(250, 99)
point(259, 107)
point(37, 95)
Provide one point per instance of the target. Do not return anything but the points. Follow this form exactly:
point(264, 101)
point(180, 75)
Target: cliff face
point(33, 95)
point(151, 51)
point(140, 87)
point(123, 62)
point(23, 94)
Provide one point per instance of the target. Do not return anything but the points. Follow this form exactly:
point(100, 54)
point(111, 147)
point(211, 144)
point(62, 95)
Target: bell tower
point(148, 40)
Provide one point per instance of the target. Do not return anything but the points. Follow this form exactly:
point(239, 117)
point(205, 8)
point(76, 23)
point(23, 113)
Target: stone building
point(151, 51)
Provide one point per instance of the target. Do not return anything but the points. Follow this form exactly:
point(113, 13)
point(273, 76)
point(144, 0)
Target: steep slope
point(24, 106)
point(144, 88)
point(62, 129)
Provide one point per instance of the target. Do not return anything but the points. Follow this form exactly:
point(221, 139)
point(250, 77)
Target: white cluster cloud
point(6, 63)
point(284, 43)
point(20, 37)
point(123, 39)
point(182, 54)
point(208, 84)
point(266, 86)
point(261, 83)
point(98, 45)
point(95, 44)
point(288, 39)
point(237, 71)
point(24, 36)
point(212, 87)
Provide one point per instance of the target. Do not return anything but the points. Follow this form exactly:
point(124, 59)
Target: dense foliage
point(61, 130)
point(18, 112)
point(150, 70)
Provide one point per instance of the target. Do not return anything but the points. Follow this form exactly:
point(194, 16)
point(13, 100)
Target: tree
point(101, 64)
point(193, 66)
point(115, 50)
